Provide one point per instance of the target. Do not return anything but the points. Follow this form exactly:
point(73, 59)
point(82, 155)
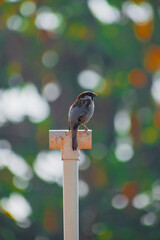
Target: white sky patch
point(103, 11)
point(4, 144)
point(48, 20)
point(17, 103)
point(15, 163)
point(52, 91)
point(124, 150)
point(20, 182)
point(11, 107)
point(148, 219)
point(50, 59)
point(13, 1)
point(119, 201)
point(156, 193)
point(89, 79)
point(25, 224)
point(155, 88)
point(141, 200)
point(122, 121)
point(138, 13)
point(36, 107)
point(84, 162)
point(49, 166)
point(83, 188)
point(15, 23)
point(27, 8)
point(17, 206)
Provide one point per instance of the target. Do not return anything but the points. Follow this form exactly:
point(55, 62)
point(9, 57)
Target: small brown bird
point(79, 114)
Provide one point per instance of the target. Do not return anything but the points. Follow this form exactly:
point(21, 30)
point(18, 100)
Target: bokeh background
point(50, 51)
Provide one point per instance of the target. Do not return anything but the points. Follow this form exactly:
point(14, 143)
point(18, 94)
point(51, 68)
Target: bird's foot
point(86, 129)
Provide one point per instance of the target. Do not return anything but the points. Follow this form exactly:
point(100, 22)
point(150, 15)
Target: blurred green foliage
point(50, 51)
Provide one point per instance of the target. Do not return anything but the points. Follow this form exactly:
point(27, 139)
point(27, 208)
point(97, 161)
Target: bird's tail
point(74, 139)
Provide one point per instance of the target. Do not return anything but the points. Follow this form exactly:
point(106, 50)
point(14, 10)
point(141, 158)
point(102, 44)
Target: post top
point(67, 131)
point(62, 139)
point(58, 138)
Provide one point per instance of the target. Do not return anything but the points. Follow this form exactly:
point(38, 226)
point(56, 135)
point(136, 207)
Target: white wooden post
point(62, 139)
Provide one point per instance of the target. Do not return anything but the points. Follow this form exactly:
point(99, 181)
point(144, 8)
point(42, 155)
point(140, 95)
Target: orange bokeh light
point(137, 78)
point(152, 60)
point(98, 176)
point(50, 221)
point(130, 189)
point(144, 30)
point(157, 119)
point(135, 129)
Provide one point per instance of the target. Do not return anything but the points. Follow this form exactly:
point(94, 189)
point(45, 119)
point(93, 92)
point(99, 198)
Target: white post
point(62, 139)
point(70, 200)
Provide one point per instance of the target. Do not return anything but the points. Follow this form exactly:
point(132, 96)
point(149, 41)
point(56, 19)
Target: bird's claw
point(86, 129)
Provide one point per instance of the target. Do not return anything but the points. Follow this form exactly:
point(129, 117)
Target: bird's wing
point(78, 103)
point(78, 111)
point(81, 118)
point(88, 103)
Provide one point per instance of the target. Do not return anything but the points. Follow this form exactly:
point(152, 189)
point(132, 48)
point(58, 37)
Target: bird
point(80, 113)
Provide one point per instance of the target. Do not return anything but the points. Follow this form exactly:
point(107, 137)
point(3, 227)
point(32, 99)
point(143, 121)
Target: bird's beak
point(95, 94)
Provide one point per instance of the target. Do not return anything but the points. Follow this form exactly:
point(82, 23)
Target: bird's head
point(87, 95)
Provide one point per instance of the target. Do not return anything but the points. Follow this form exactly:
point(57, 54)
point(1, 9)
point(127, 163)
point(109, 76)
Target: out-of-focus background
point(50, 51)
